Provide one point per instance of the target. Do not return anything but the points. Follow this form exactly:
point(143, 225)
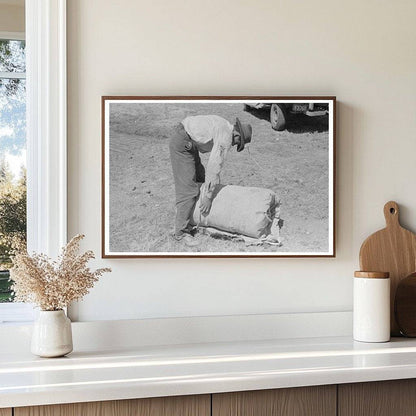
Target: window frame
point(12, 35)
point(46, 137)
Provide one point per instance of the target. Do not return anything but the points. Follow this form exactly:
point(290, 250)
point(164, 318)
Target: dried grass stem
point(53, 285)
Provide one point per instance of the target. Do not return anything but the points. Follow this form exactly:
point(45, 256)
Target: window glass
point(12, 56)
point(12, 156)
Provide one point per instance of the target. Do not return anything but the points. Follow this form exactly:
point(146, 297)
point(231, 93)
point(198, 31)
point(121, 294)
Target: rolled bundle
point(250, 211)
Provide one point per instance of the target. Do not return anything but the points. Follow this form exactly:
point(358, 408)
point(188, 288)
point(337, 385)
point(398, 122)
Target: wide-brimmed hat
point(245, 132)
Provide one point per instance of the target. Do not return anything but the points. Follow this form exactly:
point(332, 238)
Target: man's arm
point(212, 177)
point(214, 167)
point(222, 143)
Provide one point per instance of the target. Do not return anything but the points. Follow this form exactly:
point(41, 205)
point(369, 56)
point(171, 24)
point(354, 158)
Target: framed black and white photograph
point(218, 176)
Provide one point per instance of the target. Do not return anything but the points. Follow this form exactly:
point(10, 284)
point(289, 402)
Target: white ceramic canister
point(52, 334)
point(371, 313)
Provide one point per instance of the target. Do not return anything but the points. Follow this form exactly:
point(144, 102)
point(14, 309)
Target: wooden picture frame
point(293, 157)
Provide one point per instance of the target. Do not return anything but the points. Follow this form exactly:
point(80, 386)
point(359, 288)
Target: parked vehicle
point(279, 112)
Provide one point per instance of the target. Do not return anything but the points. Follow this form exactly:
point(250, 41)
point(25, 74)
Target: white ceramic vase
point(52, 334)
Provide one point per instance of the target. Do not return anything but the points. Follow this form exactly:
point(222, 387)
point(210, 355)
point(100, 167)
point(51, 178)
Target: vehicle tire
point(277, 117)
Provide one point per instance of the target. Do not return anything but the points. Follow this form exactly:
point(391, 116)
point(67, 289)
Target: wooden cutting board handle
point(391, 214)
point(393, 250)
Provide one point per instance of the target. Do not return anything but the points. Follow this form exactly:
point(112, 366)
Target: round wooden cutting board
point(393, 250)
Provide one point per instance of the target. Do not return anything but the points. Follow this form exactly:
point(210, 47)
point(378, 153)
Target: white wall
point(361, 51)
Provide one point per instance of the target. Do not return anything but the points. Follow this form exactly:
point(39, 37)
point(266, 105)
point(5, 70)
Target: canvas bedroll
point(249, 211)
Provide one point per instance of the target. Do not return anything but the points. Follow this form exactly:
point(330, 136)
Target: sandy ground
point(293, 163)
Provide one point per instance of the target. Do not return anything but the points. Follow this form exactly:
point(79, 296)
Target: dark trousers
point(188, 174)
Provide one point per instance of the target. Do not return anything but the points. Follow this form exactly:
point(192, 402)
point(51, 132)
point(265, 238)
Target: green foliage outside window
point(12, 223)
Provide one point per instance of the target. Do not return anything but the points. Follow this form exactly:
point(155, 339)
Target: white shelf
point(150, 371)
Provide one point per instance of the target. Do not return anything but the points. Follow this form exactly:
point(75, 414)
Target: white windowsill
point(16, 313)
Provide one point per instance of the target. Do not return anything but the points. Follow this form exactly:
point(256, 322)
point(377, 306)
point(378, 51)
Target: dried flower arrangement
point(53, 285)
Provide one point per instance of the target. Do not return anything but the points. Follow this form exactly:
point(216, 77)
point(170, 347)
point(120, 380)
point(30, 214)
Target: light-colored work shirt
point(211, 134)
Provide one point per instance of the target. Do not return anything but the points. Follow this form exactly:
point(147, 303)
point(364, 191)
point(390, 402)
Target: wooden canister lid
point(372, 275)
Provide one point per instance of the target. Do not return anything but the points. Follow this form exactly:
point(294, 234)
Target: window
point(45, 89)
point(12, 153)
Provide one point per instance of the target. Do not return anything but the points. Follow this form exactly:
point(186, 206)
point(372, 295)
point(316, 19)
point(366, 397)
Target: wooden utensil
point(393, 250)
point(405, 306)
